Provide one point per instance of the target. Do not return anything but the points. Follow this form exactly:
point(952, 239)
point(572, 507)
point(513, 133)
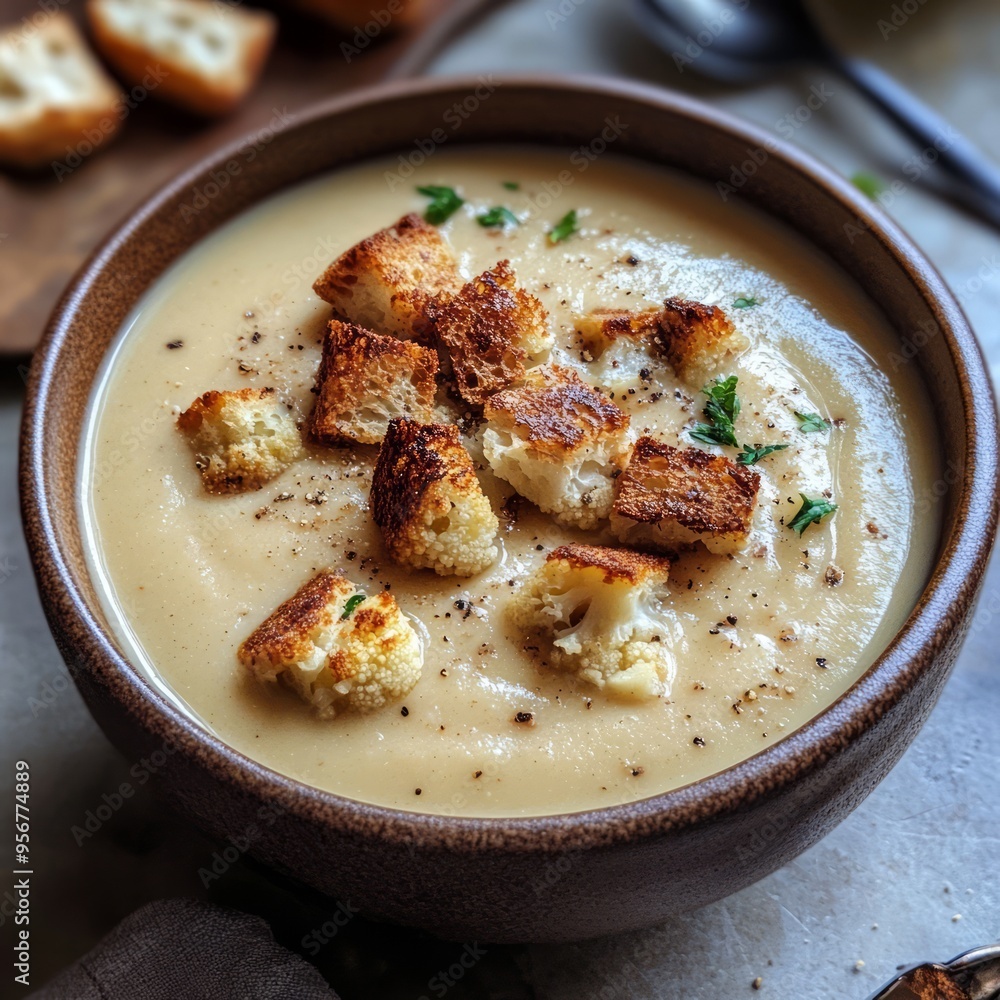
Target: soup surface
point(763, 640)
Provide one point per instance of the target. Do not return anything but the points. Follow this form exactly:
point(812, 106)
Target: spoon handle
point(955, 153)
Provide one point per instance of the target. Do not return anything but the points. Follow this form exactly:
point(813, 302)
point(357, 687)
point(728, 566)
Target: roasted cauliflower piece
point(602, 612)
point(559, 442)
point(620, 344)
point(490, 329)
point(242, 439)
point(697, 339)
point(668, 497)
point(337, 649)
point(367, 379)
point(390, 281)
point(428, 503)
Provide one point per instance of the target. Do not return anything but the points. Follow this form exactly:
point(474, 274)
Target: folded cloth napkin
point(181, 949)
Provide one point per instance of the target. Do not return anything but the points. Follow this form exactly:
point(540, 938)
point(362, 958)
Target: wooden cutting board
point(48, 225)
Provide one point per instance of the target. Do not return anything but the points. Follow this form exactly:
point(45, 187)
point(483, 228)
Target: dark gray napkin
point(181, 949)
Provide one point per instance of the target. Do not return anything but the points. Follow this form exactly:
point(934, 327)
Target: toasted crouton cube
point(207, 56)
point(367, 379)
point(697, 339)
point(427, 500)
point(621, 345)
point(603, 613)
point(241, 439)
point(668, 497)
point(53, 95)
point(337, 649)
point(391, 281)
point(559, 442)
point(490, 328)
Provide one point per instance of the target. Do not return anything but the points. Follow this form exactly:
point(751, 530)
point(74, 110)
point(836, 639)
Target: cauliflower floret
point(428, 501)
point(364, 380)
point(559, 442)
point(390, 281)
point(621, 344)
point(336, 648)
point(697, 339)
point(671, 496)
point(490, 329)
point(602, 610)
point(241, 439)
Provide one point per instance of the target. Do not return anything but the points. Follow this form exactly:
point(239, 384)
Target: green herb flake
point(811, 512)
point(752, 455)
point(564, 228)
point(352, 603)
point(512, 185)
point(497, 218)
point(445, 201)
point(868, 183)
point(722, 409)
point(745, 302)
point(812, 422)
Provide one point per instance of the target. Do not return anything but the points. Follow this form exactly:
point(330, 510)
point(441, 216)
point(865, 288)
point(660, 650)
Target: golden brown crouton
point(241, 439)
point(207, 55)
point(428, 502)
point(668, 497)
point(696, 339)
point(365, 380)
point(337, 648)
point(602, 327)
point(390, 281)
point(490, 328)
point(559, 442)
point(55, 99)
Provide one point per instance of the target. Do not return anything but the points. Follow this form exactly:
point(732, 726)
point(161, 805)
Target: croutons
point(558, 442)
point(241, 439)
point(390, 281)
point(602, 611)
point(54, 96)
point(670, 496)
point(697, 339)
point(336, 648)
point(490, 328)
point(367, 379)
point(427, 500)
point(620, 344)
point(207, 55)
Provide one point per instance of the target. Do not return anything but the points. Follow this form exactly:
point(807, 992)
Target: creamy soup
point(763, 640)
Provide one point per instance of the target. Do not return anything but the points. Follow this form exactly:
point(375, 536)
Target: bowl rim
point(958, 569)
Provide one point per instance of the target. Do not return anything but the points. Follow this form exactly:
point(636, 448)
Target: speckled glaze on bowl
point(564, 876)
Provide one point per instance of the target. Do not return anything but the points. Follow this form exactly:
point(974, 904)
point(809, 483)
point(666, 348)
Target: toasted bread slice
point(697, 339)
point(391, 281)
point(55, 99)
point(207, 56)
point(367, 379)
point(670, 497)
point(392, 15)
point(242, 439)
point(601, 328)
point(336, 648)
point(620, 346)
point(490, 328)
point(427, 500)
point(559, 442)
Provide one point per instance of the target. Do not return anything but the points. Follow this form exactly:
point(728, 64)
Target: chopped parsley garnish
point(352, 603)
point(512, 185)
point(498, 217)
point(811, 512)
point(868, 183)
point(752, 455)
point(445, 201)
point(812, 422)
point(564, 228)
point(745, 302)
point(722, 409)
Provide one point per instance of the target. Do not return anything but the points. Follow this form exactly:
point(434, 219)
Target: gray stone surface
point(913, 874)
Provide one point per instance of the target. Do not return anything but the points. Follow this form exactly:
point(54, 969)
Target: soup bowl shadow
point(566, 876)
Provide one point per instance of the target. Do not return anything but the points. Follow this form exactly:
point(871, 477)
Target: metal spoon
point(736, 41)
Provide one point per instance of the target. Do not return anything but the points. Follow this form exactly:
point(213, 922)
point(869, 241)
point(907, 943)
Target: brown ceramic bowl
point(563, 876)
